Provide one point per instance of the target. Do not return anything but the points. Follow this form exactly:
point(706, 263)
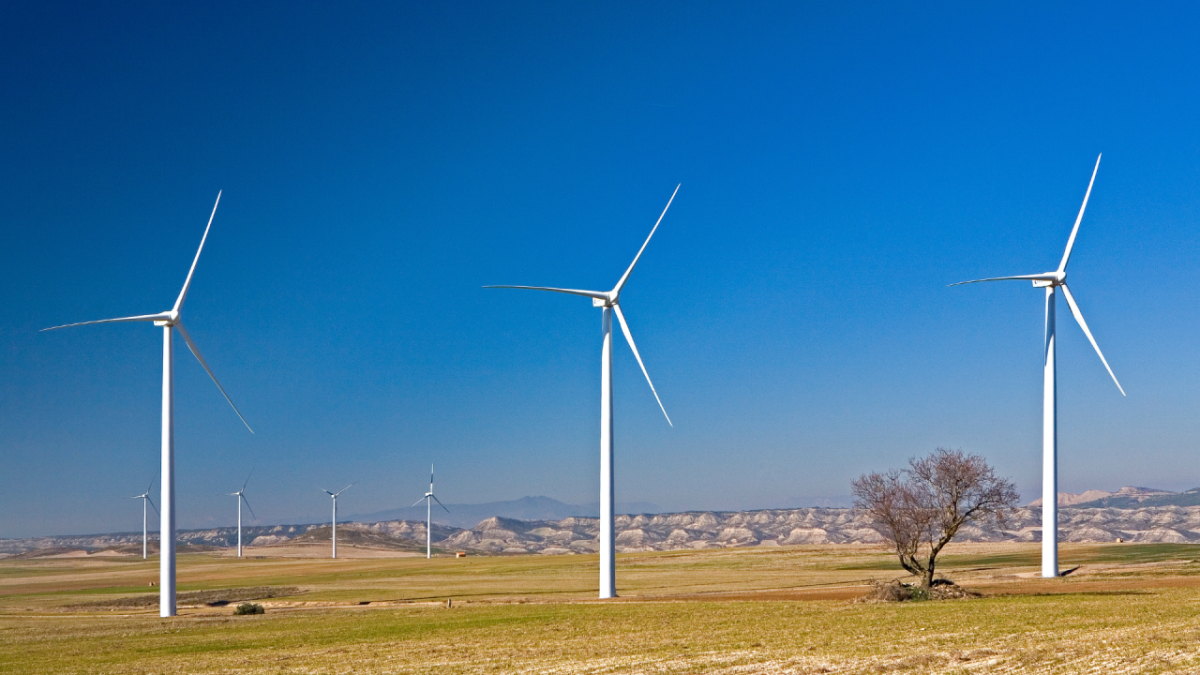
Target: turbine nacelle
point(1049, 279)
point(167, 318)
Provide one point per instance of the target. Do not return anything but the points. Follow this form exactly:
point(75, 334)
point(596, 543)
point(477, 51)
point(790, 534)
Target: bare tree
point(920, 509)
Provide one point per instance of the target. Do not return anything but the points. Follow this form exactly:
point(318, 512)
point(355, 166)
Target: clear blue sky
point(840, 165)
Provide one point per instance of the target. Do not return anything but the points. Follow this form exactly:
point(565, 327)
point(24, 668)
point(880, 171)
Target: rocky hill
point(668, 531)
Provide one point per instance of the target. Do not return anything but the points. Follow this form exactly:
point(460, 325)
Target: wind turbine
point(168, 320)
point(241, 495)
point(609, 301)
point(1052, 281)
point(429, 498)
point(335, 496)
point(145, 497)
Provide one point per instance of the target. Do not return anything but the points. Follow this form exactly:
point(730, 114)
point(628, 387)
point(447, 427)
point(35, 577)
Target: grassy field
point(1128, 608)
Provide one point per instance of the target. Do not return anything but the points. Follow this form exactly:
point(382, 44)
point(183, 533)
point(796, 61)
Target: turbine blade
point(1083, 324)
point(440, 503)
point(248, 506)
point(161, 316)
point(625, 277)
point(417, 502)
point(571, 291)
point(629, 339)
point(152, 504)
point(247, 479)
point(1021, 277)
point(188, 281)
point(196, 351)
point(1075, 230)
point(346, 488)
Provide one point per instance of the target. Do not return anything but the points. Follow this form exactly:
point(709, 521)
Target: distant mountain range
point(1130, 514)
point(525, 508)
point(1127, 498)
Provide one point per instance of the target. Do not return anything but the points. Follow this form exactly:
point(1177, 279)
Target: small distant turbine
point(241, 495)
point(145, 497)
point(609, 301)
point(334, 495)
point(171, 318)
point(1051, 281)
point(429, 498)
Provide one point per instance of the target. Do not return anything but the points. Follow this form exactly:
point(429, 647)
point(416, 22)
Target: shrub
point(249, 608)
point(897, 591)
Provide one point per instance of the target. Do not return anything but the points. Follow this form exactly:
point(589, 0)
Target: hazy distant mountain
point(525, 508)
point(1127, 498)
point(1134, 498)
point(221, 537)
point(1071, 499)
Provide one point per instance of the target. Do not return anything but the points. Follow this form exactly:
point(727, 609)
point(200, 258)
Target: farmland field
point(1127, 608)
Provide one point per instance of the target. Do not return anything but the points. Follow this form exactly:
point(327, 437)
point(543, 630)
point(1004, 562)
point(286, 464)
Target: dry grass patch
point(728, 611)
point(1046, 634)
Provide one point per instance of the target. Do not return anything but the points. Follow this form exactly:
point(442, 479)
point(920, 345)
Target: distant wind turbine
point(241, 495)
point(334, 495)
point(168, 320)
point(145, 497)
point(429, 498)
point(609, 301)
point(1051, 281)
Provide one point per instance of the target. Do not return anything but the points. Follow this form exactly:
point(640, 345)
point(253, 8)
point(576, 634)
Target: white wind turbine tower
point(241, 495)
point(145, 497)
point(168, 320)
point(609, 301)
point(334, 495)
point(1052, 281)
point(429, 498)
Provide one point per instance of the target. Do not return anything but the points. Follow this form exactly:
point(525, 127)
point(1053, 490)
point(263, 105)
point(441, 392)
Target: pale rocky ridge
point(689, 530)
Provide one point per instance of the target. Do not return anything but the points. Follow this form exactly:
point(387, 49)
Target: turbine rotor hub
point(1051, 279)
point(171, 320)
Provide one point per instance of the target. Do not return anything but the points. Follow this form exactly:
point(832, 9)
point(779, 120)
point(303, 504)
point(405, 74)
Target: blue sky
point(840, 164)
